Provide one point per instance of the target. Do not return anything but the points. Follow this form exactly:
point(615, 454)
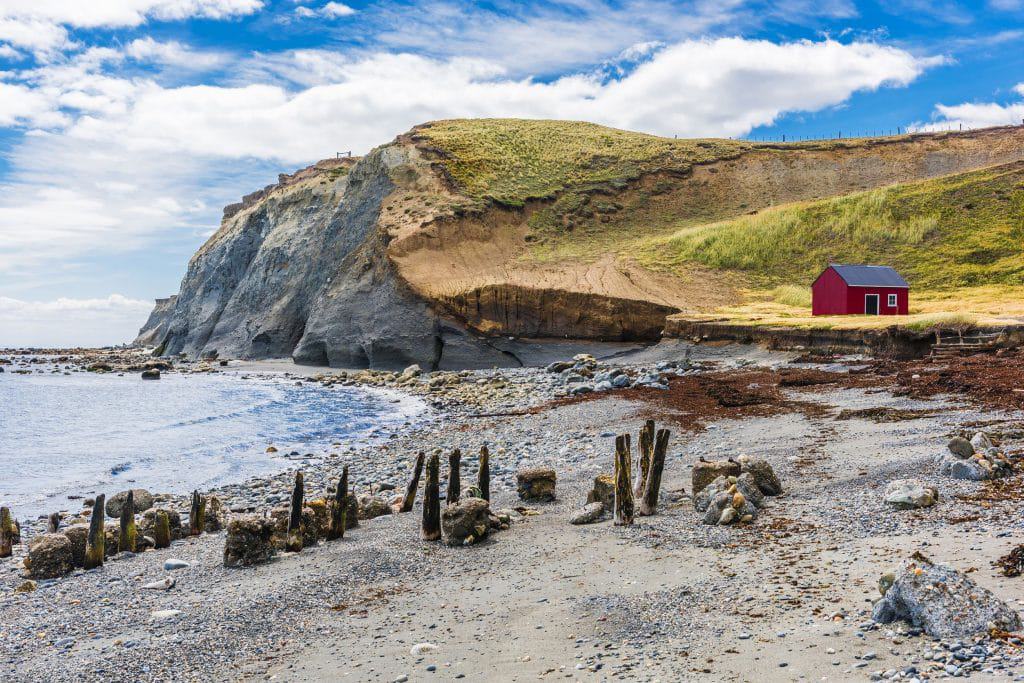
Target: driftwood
point(197, 515)
point(94, 542)
point(414, 484)
point(454, 482)
point(127, 538)
point(431, 529)
point(483, 477)
point(339, 508)
point(293, 543)
point(161, 529)
point(649, 500)
point(623, 482)
point(6, 532)
point(53, 523)
point(646, 443)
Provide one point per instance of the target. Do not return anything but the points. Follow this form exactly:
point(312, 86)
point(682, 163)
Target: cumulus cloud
point(173, 54)
point(118, 13)
point(332, 10)
point(70, 322)
point(980, 114)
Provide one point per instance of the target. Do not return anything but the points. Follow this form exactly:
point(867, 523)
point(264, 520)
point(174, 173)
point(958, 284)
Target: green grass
point(957, 231)
point(950, 320)
point(791, 295)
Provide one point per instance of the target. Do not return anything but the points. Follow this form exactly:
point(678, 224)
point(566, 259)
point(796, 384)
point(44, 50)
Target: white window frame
point(892, 299)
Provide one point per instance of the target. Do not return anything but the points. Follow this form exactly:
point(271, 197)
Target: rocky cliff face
point(389, 260)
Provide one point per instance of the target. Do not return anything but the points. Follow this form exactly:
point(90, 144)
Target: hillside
point(439, 246)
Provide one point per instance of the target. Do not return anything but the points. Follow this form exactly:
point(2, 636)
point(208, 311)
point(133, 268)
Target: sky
point(127, 125)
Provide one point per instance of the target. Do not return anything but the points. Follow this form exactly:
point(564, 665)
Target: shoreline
point(668, 598)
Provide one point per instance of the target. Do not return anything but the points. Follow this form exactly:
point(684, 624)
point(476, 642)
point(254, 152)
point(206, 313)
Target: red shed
point(860, 290)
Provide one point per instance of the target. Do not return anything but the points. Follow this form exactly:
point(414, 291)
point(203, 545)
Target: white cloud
point(978, 115)
point(41, 37)
point(118, 13)
point(332, 10)
point(174, 54)
point(1019, 88)
point(70, 322)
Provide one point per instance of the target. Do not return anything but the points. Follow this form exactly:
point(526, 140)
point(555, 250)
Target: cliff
point(438, 246)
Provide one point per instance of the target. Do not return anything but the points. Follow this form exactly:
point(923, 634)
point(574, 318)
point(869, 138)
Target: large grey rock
point(143, 500)
point(590, 513)
point(706, 471)
point(739, 493)
point(943, 602)
point(49, 556)
point(910, 493)
point(975, 468)
point(960, 447)
point(465, 522)
point(763, 474)
point(250, 540)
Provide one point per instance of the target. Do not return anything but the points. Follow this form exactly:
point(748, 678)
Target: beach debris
point(431, 527)
point(197, 515)
point(151, 373)
point(623, 508)
point(162, 529)
point(603, 492)
point(483, 475)
point(652, 478)
point(465, 522)
point(49, 556)
point(910, 493)
point(162, 614)
point(250, 541)
point(95, 543)
point(975, 460)
point(763, 474)
point(943, 602)
point(339, 508)
point(706, 471)
point(6, 532)
point(141, 498)
point(454, 482)
point(293, 540)
point(410, 491)
point(536, 484)
point(126, 539)
point(1012, 564)
point(174, 563)
point(26, 586)
point(591, 512)
point(161, 585)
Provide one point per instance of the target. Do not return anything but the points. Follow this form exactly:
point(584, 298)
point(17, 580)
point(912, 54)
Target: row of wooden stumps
point(651, 463)
point(430, 529)
point(337, 513)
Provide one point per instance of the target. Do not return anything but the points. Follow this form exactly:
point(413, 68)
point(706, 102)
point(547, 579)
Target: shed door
point(871, 304)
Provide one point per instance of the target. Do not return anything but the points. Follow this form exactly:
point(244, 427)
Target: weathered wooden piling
point(126, 540)
point(431, 529)
point(53, 523)
point(162, 529)
point(649, 500)
point(623, 482)
point(197, 515)
point(414, 484)
point(454, 481)
point(646, 443)
point(336, 529)
point(294, 539)
point(6, 532)
point(483, 477)
point(95, 541)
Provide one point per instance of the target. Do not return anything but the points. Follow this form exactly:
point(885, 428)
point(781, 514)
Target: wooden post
point(126, 541)
point(6, 532)
point(53, 523)
point(197, 515)
point(483, 477)
point(162, 529)
point(94, 542)
point(646, 448)
point(431, 529)
point(336, 528)
point(454, 483)
point(414, 484)
point(294, 539)
point(623, 482)
point(649, 501)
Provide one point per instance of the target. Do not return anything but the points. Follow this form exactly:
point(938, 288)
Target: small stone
point(161, 585)
point(172, 564)
point(162, 614)
point(422, 649)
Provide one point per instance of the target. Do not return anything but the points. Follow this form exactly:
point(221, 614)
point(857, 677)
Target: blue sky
point(126, 125)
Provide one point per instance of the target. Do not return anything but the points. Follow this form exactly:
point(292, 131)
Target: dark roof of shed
point(869, 276)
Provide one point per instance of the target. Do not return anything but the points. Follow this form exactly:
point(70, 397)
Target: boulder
point(763, 474)
point(412, 371)
point(143, 501)
point(910, 493)
point(371, 506)
point(250, 540)
point(728, 508)
point(590, 513)
point(706, 471)
point(978, 467)
point(603, 492)
point(536, 484)
point(151, 373)
point(982, 443)
point(743, 484)
point(148, 525)
point(960, 447)
point(312, 532)
point(49, 556)
point(943, 602)
point(465, 522)
point(77, 534)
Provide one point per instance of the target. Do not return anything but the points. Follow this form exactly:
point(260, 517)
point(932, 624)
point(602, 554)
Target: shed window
point(892, 300)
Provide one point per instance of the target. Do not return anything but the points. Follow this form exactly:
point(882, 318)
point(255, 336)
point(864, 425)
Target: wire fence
point(853, 135)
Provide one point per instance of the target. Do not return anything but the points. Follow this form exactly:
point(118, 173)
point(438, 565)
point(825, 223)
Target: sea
point(81, 434)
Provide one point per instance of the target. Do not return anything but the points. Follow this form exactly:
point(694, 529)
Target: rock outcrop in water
point(403, 256)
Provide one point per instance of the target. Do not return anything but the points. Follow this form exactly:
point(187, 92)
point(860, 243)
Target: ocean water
point(83, 434)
